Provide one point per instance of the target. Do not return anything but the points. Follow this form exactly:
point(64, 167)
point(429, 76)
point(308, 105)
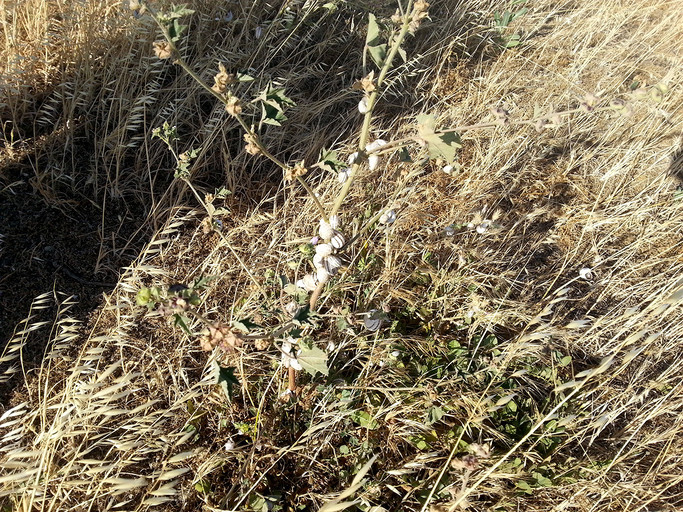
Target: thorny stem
point(177, 59)
point(365, 130)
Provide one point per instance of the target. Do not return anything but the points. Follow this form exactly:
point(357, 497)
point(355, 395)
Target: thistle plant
point(330, 243)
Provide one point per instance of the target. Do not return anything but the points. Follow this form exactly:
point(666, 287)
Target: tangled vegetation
point(308, 255)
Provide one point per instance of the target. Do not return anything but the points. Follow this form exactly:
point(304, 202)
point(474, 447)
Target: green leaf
point(439, 145)
point(513, 41)
point(182, 321)
point(404, 155)
point(372, 38)
point(378, 54)
point(272, 115)
point(541, 480)
point(202, 282)
point(313, 360)
point(203, 486)
point(244, 77)
point(364, 419)
point(273, 103)
point(222, 193)
point(523, 486)
point(245, 325)
point(329, 161)
point(377, 50)
point(175, 30)
point(225, 378)
point(424, 441)
point(434, 414)
point(178, 11)
point(143, 297)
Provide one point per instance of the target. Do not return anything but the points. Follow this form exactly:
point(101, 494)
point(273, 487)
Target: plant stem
point(291, 387)
point(398, 143)
point(321, 210)
point(177, 59)
point(365, 129)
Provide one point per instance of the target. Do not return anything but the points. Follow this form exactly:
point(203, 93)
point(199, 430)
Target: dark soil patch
point(67, 251)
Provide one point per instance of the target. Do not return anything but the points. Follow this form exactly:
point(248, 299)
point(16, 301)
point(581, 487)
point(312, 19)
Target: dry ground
point(494, 338)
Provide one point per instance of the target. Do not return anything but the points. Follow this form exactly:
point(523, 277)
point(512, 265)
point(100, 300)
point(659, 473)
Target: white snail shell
point(324, 249)
point(337, 240)
point(332, 264)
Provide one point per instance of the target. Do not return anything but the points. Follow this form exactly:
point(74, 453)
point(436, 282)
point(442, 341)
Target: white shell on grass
point(375, 145)
point(323, 275)
point(373, 162)
point(288, 360)
point(325, 230)
point(363, 105)
point(372, 320)
point(483, 227)
point(388, 217)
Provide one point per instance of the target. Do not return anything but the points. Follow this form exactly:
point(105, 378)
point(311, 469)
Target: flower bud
point(233, 106)
point(162, 49)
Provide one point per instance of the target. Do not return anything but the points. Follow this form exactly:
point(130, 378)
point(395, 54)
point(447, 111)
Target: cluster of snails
point(326, 261)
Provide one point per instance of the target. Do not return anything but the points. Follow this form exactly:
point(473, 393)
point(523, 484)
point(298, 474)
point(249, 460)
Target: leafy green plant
point(296, 330)
point(502, 20)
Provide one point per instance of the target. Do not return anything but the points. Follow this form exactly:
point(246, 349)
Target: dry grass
point(116, 410)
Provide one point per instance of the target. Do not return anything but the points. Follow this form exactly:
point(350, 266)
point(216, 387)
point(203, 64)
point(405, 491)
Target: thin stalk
point(399, 143)
point(321, 210)
point(365, 129)
point(226, 241)
point(177, 59)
